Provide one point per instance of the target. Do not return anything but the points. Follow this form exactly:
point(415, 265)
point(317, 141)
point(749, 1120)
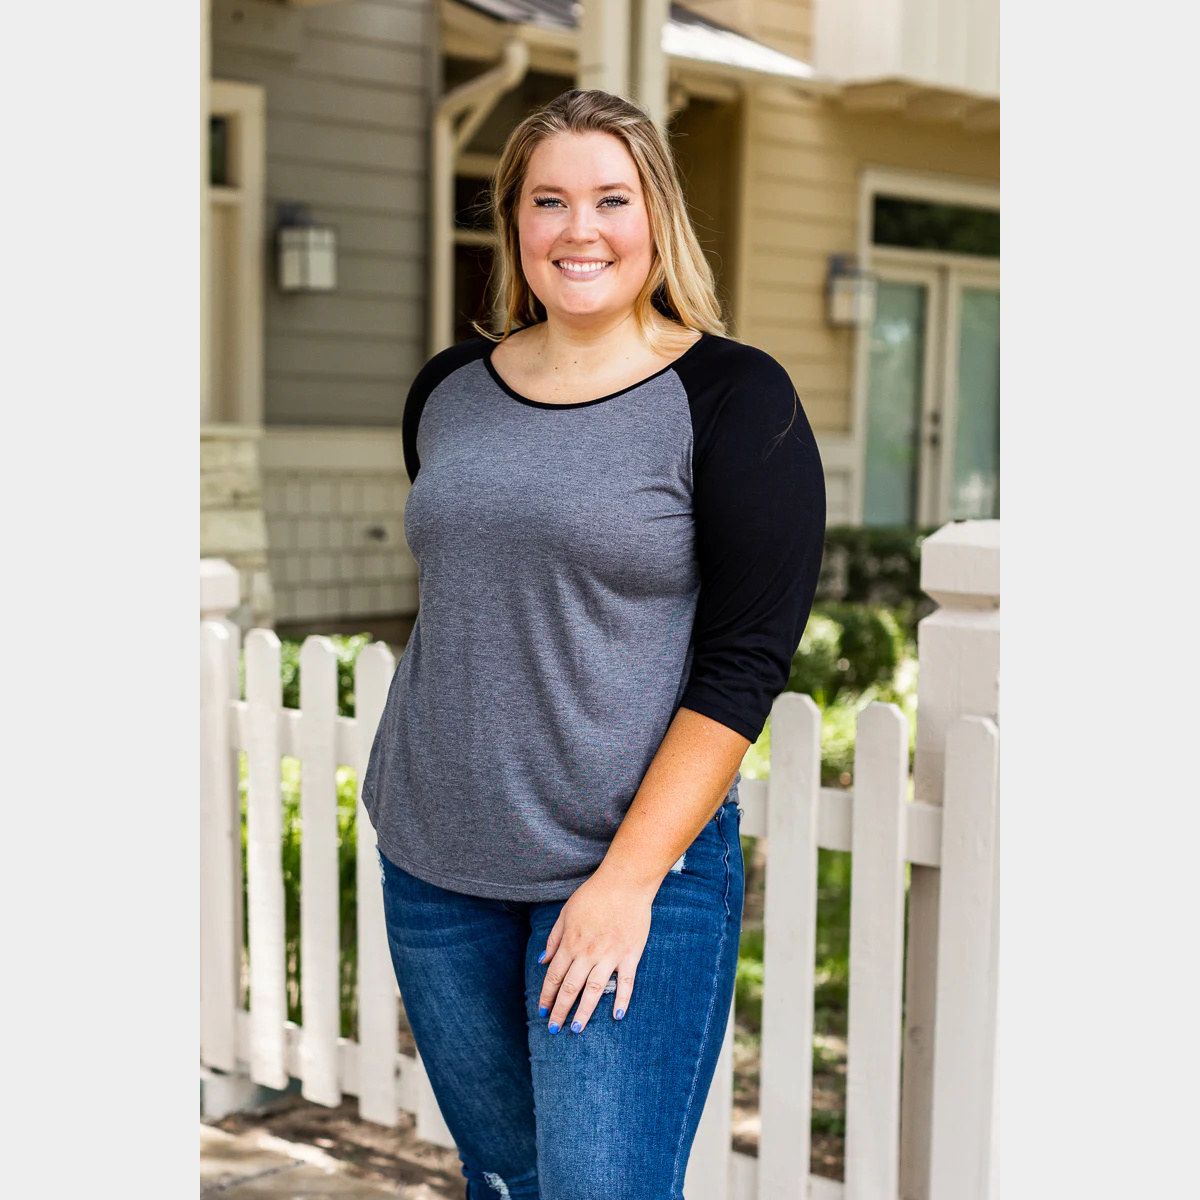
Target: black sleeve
point(441, 365)
point(759, 499)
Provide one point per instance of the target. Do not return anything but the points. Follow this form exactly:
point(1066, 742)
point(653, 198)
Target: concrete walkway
point(258, 1166)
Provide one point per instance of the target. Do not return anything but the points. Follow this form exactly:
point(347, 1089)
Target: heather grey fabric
point(554, 684)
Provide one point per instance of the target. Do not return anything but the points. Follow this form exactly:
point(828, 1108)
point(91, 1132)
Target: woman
point(618, 514)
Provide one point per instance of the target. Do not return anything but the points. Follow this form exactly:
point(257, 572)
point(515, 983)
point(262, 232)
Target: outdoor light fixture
point(850, 293)
point(306, 253)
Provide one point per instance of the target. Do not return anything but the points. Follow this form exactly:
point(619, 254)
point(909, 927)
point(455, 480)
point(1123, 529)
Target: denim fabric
point(609, 1113)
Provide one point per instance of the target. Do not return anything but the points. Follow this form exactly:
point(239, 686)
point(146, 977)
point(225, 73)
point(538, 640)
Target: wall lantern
point(850, 293)
point(306, 253)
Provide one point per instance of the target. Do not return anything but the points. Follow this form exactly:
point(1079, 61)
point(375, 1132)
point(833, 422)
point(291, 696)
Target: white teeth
point(581, 269)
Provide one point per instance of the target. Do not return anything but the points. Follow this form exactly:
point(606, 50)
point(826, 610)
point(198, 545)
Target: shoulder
point(722, 367)
point(444, 363)
point(739, 392)
point(434, 373)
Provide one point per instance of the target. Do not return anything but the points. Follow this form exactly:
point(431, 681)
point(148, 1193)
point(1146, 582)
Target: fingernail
point(620, 1013)
point(541, 956)
point(553, 1027)
point(543, 1011)
point(575, 1027)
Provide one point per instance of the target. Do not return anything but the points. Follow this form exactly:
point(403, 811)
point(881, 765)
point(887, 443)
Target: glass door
point(971, 464)
point(933, 395)
point(902, 379)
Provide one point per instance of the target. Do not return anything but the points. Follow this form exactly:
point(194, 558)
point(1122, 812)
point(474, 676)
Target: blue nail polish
point(575, 1027)
point(553, 1027)
point(541, 956)
point(620, 1013)
point(543, 1011)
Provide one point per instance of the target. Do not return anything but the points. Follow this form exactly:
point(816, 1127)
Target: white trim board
point(333, 448)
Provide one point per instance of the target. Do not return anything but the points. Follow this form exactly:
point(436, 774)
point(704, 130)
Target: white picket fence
point(925, 1133)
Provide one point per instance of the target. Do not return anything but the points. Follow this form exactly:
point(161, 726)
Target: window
point(218, 151)
point(925, 225)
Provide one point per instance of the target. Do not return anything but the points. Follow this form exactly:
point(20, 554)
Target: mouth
point(582, 270)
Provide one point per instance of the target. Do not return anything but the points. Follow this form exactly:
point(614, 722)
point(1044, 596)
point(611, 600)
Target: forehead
point(581, 160)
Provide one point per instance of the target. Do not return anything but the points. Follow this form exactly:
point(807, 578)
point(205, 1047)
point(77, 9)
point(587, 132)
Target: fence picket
point(264, 866)
point(320, 981)
point(872, 1151)
point(964, 1031)
point(220, 884)
point(789, 950)
point(378, 1010)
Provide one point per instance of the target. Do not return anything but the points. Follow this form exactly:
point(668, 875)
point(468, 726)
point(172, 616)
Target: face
point(583, 226)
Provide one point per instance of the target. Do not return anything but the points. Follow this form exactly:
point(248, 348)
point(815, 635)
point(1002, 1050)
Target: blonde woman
point(618, 513)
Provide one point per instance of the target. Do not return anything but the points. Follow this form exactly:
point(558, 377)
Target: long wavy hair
point(679, 285)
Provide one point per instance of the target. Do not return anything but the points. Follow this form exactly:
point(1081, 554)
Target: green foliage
point(848, 648)
point(830, 1121)
point(876, 565)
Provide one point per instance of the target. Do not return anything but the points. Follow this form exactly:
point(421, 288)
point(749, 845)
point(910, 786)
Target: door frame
point(244, 107)
point(986, 276)
point(877, 179)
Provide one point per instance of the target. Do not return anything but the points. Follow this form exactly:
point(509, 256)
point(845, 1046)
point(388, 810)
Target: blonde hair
point(679, 285)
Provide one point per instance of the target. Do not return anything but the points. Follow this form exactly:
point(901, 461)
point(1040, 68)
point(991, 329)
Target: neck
point(591, 343)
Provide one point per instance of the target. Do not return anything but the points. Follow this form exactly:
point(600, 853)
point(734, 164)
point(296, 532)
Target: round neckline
point(498, 380)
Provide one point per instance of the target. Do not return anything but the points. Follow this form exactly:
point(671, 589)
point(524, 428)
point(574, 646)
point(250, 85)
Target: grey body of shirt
point(533, 695)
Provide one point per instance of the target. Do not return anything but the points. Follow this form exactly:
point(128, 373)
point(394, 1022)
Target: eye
point(545, 201)
point(618, 201)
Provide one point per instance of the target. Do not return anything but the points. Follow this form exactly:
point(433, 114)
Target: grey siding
point(348, 114)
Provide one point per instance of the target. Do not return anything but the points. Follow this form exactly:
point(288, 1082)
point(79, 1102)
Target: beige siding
point(804, 161)
point(347, 134)
point(784, 25)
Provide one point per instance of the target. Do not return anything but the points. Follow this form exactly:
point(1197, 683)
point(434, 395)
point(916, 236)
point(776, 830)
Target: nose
point(581, 227)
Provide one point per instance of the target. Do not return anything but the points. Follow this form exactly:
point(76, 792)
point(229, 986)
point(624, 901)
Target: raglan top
point(585, 570)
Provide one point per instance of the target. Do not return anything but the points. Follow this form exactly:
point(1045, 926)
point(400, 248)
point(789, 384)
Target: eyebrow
point(604, 187)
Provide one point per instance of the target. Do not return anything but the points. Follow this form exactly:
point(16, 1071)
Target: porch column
point(620, 51)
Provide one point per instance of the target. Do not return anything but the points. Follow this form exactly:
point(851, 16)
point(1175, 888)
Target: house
point(841, 158)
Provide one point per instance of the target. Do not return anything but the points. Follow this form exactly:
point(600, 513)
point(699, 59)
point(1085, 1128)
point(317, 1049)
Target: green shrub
point(848, 648)
point(877, 566)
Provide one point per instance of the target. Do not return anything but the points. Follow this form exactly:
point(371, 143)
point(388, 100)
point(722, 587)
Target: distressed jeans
point(609, 1113)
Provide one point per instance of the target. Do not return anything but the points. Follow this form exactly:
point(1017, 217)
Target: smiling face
point(584, 232)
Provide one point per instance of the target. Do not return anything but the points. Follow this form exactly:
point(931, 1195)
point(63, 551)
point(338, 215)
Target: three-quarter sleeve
point(759, 504)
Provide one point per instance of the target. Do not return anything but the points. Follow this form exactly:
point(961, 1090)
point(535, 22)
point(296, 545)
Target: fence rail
point(883, 831)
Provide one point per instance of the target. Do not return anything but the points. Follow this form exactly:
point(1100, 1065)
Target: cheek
point(536, 236)
point(630, 237)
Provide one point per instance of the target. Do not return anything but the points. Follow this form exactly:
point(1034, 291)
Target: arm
point(687, 782)
point(759, 501)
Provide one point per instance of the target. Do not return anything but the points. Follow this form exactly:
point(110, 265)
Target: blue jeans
point(605, 1114)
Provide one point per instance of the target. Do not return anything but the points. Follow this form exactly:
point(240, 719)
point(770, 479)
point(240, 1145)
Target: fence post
point(965, 1037)
point(220, 820)
point(959, 671)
